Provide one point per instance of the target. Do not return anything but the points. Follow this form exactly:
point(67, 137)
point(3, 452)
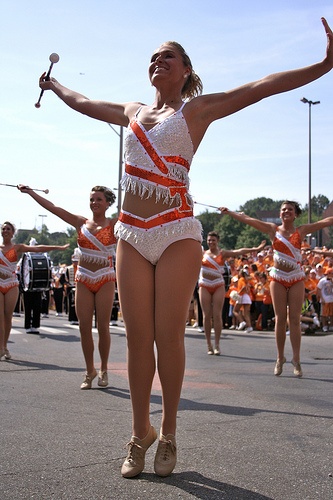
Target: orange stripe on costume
point(175, 187)
point(294, 239)
point(160, 220)
point(149, 148)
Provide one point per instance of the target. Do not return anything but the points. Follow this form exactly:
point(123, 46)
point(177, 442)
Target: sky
point(105, 48)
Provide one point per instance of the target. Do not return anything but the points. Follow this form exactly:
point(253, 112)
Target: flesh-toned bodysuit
point(211, 272)
point(157, 163)
point(287, 253)
point(99, 249)
point(8, 262)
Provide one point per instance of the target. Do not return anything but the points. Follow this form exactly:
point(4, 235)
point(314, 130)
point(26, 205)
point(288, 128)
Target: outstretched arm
point(214, 106)
point(314, 226)
point(100, 110)
point(21, 248)
point(74, 220)
point(264, 227)
point(241, 251)
point(325, 253)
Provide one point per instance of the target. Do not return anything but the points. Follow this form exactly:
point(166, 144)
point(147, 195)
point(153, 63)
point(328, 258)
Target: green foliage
point(251, 207)
point(250, 237)
point(318, 205)
point(229, 229)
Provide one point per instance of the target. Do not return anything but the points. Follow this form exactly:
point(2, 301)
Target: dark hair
point(214, 234)
point(295, 204)
point(9, 224)
point(193, 85)
point(108, 193)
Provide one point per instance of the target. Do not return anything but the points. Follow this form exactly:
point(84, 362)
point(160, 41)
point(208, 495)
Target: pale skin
point(212, 304)
point(8, 300)
point(284, 300)
point(165, 290)
point(242, 311)
point(85, 300)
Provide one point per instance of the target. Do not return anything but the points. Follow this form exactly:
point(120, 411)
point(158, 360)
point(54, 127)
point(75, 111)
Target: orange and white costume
point(211, 272)
point(287, 253)
point(157, 163)
point(100, 249)
point(8, 262)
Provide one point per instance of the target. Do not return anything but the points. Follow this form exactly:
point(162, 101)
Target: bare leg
point(135, 279)
point(206, 306)
point(176, 274)
point(104, 302)
point(218, 301)
point(7, 306)
point(85, 305)
point(10, 300)
point(238, 313)
point(2, 323)
point(279, 297)
point(295, 300)
point(246, 314)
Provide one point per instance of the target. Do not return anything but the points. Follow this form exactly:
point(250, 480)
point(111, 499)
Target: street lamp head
point(306, 101)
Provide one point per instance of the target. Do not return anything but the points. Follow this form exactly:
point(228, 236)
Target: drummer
point(70, 274)
point(10, 254)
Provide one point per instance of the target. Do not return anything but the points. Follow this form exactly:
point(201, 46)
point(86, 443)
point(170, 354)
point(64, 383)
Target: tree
point(251, 237)
point(318, 205)
point(252, 207)
point(229, 230)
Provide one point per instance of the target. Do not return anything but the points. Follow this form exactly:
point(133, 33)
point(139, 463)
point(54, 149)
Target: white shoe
point(325, 328)
point(232, 327)
point(249, 329)
point(316, 321)
point(288, 332)
point(242, 325)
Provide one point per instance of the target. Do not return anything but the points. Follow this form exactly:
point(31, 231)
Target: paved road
point(242, 433)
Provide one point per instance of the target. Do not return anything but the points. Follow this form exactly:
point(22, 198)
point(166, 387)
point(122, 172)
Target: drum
point(35, 272)
point(227, 275)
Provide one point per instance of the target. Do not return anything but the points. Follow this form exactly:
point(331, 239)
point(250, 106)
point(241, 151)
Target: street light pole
point(42, 216)
point(120, 166)
point(310, 103)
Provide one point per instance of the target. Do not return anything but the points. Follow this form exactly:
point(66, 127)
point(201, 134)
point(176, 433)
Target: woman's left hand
point(329, 48)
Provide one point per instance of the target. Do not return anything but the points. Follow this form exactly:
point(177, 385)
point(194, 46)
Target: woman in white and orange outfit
point(212, 286)
point(95, 276)
point(159, 239)
point(286, 276)
point(10, 254)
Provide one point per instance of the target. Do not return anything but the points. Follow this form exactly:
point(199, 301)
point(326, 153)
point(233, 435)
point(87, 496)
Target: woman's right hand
point(46, 84)
point(23, 188)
